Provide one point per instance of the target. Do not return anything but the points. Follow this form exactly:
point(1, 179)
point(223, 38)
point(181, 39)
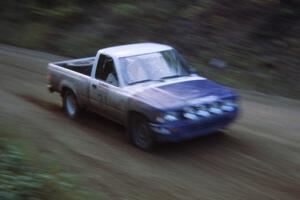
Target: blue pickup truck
point(149, 89)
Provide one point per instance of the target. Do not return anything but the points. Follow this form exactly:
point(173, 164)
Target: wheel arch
point(65, 86)
point(131, 114)
point(64, 89)
point(131, 131)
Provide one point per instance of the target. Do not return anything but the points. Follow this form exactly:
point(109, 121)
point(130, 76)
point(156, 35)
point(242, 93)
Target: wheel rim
point(71, 105)
point(142, 136)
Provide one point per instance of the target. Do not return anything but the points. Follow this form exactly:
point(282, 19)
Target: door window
point(106, 70)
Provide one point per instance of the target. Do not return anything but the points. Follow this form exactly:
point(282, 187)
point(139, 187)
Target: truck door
point(98, 88)
point(106, 96)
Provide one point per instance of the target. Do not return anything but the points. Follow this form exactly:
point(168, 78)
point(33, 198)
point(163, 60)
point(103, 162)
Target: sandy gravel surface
point(257, 158)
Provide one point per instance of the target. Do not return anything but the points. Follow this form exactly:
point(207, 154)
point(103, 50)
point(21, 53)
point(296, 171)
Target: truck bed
point(73, 74)
point(83, 65)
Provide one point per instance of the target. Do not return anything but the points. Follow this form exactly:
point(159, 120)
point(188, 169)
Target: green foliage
point(242, 33)
point(124, 9)
point(191, 12)
point(60, 14)
point(20, 179)
point(264, 2)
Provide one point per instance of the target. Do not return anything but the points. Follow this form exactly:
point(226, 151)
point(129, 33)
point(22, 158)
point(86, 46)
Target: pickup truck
point(149, 88)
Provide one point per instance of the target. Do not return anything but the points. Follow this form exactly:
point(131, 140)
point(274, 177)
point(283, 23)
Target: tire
point(70, 105)
point(140, 133)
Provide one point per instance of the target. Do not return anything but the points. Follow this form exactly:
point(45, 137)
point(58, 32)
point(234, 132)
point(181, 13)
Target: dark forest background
point(249, 44)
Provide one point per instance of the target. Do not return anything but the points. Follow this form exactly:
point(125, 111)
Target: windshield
point(153, 67)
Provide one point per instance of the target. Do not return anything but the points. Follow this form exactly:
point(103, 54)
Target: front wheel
point(141, 134)
point(70, 105)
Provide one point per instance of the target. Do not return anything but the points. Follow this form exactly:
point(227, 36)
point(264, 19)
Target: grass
point(25, 174)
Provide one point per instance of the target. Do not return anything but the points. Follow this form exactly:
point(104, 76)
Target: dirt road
point(257, 158)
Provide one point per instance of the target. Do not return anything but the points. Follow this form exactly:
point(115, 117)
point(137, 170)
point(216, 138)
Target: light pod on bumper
point(167, 117)
point(228, 106)
point(215, 108)
point(202, 111)
point(189, 113)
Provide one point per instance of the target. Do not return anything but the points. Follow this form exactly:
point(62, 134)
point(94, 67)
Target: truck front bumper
point(188, 129)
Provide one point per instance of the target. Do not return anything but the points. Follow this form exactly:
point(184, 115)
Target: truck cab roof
point(134, 49)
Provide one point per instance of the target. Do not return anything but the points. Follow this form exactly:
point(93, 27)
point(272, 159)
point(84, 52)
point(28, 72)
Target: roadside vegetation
point(257, 42)
point(26, 175)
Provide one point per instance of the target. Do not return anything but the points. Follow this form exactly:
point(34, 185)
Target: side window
point(99, 68)
point(106, 70)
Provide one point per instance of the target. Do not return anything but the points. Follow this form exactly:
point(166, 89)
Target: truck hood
point(184, 93)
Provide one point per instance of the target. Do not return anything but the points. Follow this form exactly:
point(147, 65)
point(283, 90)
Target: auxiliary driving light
point(191, 116)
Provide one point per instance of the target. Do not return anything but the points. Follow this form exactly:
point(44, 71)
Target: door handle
point(101, 85)
point(94, 86)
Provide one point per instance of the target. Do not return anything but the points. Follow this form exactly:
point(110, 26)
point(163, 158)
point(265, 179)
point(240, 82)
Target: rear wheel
point(141, 134)
point(70, 104)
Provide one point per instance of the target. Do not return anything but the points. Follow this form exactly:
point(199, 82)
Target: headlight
point(202, 111)
point(229, 106)
point(167, 117)
point(230, 103)
point(191, 116)
point(215, 108)
point(190, 113)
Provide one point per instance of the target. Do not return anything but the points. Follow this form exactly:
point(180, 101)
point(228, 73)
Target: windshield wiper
point(142, 81)
point(174, 76)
